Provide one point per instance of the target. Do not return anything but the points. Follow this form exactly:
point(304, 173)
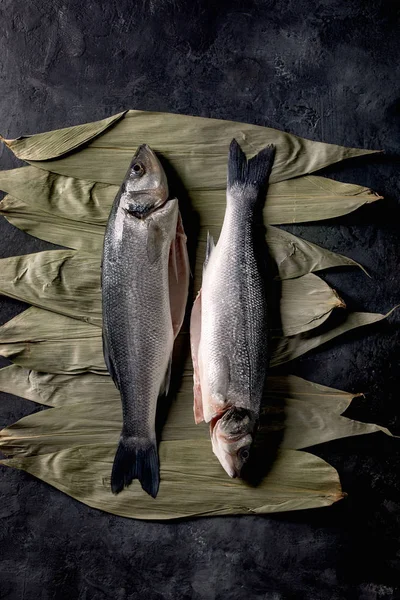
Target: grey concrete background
point(324, 70)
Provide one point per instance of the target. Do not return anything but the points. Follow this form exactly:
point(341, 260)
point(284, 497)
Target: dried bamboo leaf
point(36, 191)
point(295, 256)
point(305, 412)
point(311, 413)
point(62, 281)
point(293, 201)
point(297, 200)
point(55, 279)
point(193, 482)
point(78, 424)
point(314, 198)
point(57, 390)
point(64, 232)
point(193, 145)
point(81, 353)
point(66, 356)
point(306, 302)
point(289, 348)
point(37, 325)
point(56, 143)
point(46, 341)
point(73, 212)
point(46, 444)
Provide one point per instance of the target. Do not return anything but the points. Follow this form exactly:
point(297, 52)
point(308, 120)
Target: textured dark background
point(321, 69)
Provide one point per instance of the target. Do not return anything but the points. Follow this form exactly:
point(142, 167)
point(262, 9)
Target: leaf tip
point(340, 303)
point(365, 271)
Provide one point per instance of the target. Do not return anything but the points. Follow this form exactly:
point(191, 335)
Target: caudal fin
point(135, 462)
point(252, 173)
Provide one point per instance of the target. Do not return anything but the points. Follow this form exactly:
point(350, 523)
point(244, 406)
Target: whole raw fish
point(229, 330)
point(145, 276)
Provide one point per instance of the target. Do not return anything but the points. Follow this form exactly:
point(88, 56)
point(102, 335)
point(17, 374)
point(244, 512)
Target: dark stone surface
point(320, 69)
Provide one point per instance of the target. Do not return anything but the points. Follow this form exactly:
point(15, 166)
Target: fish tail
point(136, 461)
point(252, 174)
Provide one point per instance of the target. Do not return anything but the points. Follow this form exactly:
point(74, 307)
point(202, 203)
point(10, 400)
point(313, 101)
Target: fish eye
point(244, 454)
point(137, 169)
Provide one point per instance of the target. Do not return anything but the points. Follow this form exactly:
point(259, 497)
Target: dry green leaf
point(292, 255)
point(64, 232)
point(293, 201)
point(55, 143)
point(55, 279)
point(194, 146)
point(46, 341)
point(78, 424)
point(39, 192)
point(306, 302)
point(37, 325)
point(312, 412)
point(297, 200)
point(295, 257)
point(62, 281)
point(80, 350)
point(314, 198)
point(57, 390)
point(72, 447)
point(192, 482)
point(289, 348)
point(307, 413)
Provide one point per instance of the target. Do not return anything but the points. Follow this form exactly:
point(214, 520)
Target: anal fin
point(164, 389)
point(108, 361)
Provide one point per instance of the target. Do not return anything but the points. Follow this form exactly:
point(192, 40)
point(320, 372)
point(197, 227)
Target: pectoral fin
point(195, 333)
point(154, 241)
point(179, 271)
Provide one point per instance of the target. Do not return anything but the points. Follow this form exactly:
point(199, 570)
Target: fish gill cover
point(64, 197)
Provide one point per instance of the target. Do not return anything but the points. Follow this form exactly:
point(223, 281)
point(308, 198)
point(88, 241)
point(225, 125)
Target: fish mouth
point(144, 151)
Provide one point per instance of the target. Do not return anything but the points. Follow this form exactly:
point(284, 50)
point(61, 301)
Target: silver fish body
point(229, 327)
point(138, 328)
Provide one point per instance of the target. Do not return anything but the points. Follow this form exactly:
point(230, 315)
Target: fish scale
point(234, 332)
point(138, 320)
point(145, 277)
point(229, 325)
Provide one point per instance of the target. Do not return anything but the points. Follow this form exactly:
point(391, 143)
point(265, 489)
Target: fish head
point(232, 437)
point(145, 186)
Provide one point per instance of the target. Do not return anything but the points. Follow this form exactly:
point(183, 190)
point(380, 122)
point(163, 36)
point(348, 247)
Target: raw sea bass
point(228, 327)
point(145, 279)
